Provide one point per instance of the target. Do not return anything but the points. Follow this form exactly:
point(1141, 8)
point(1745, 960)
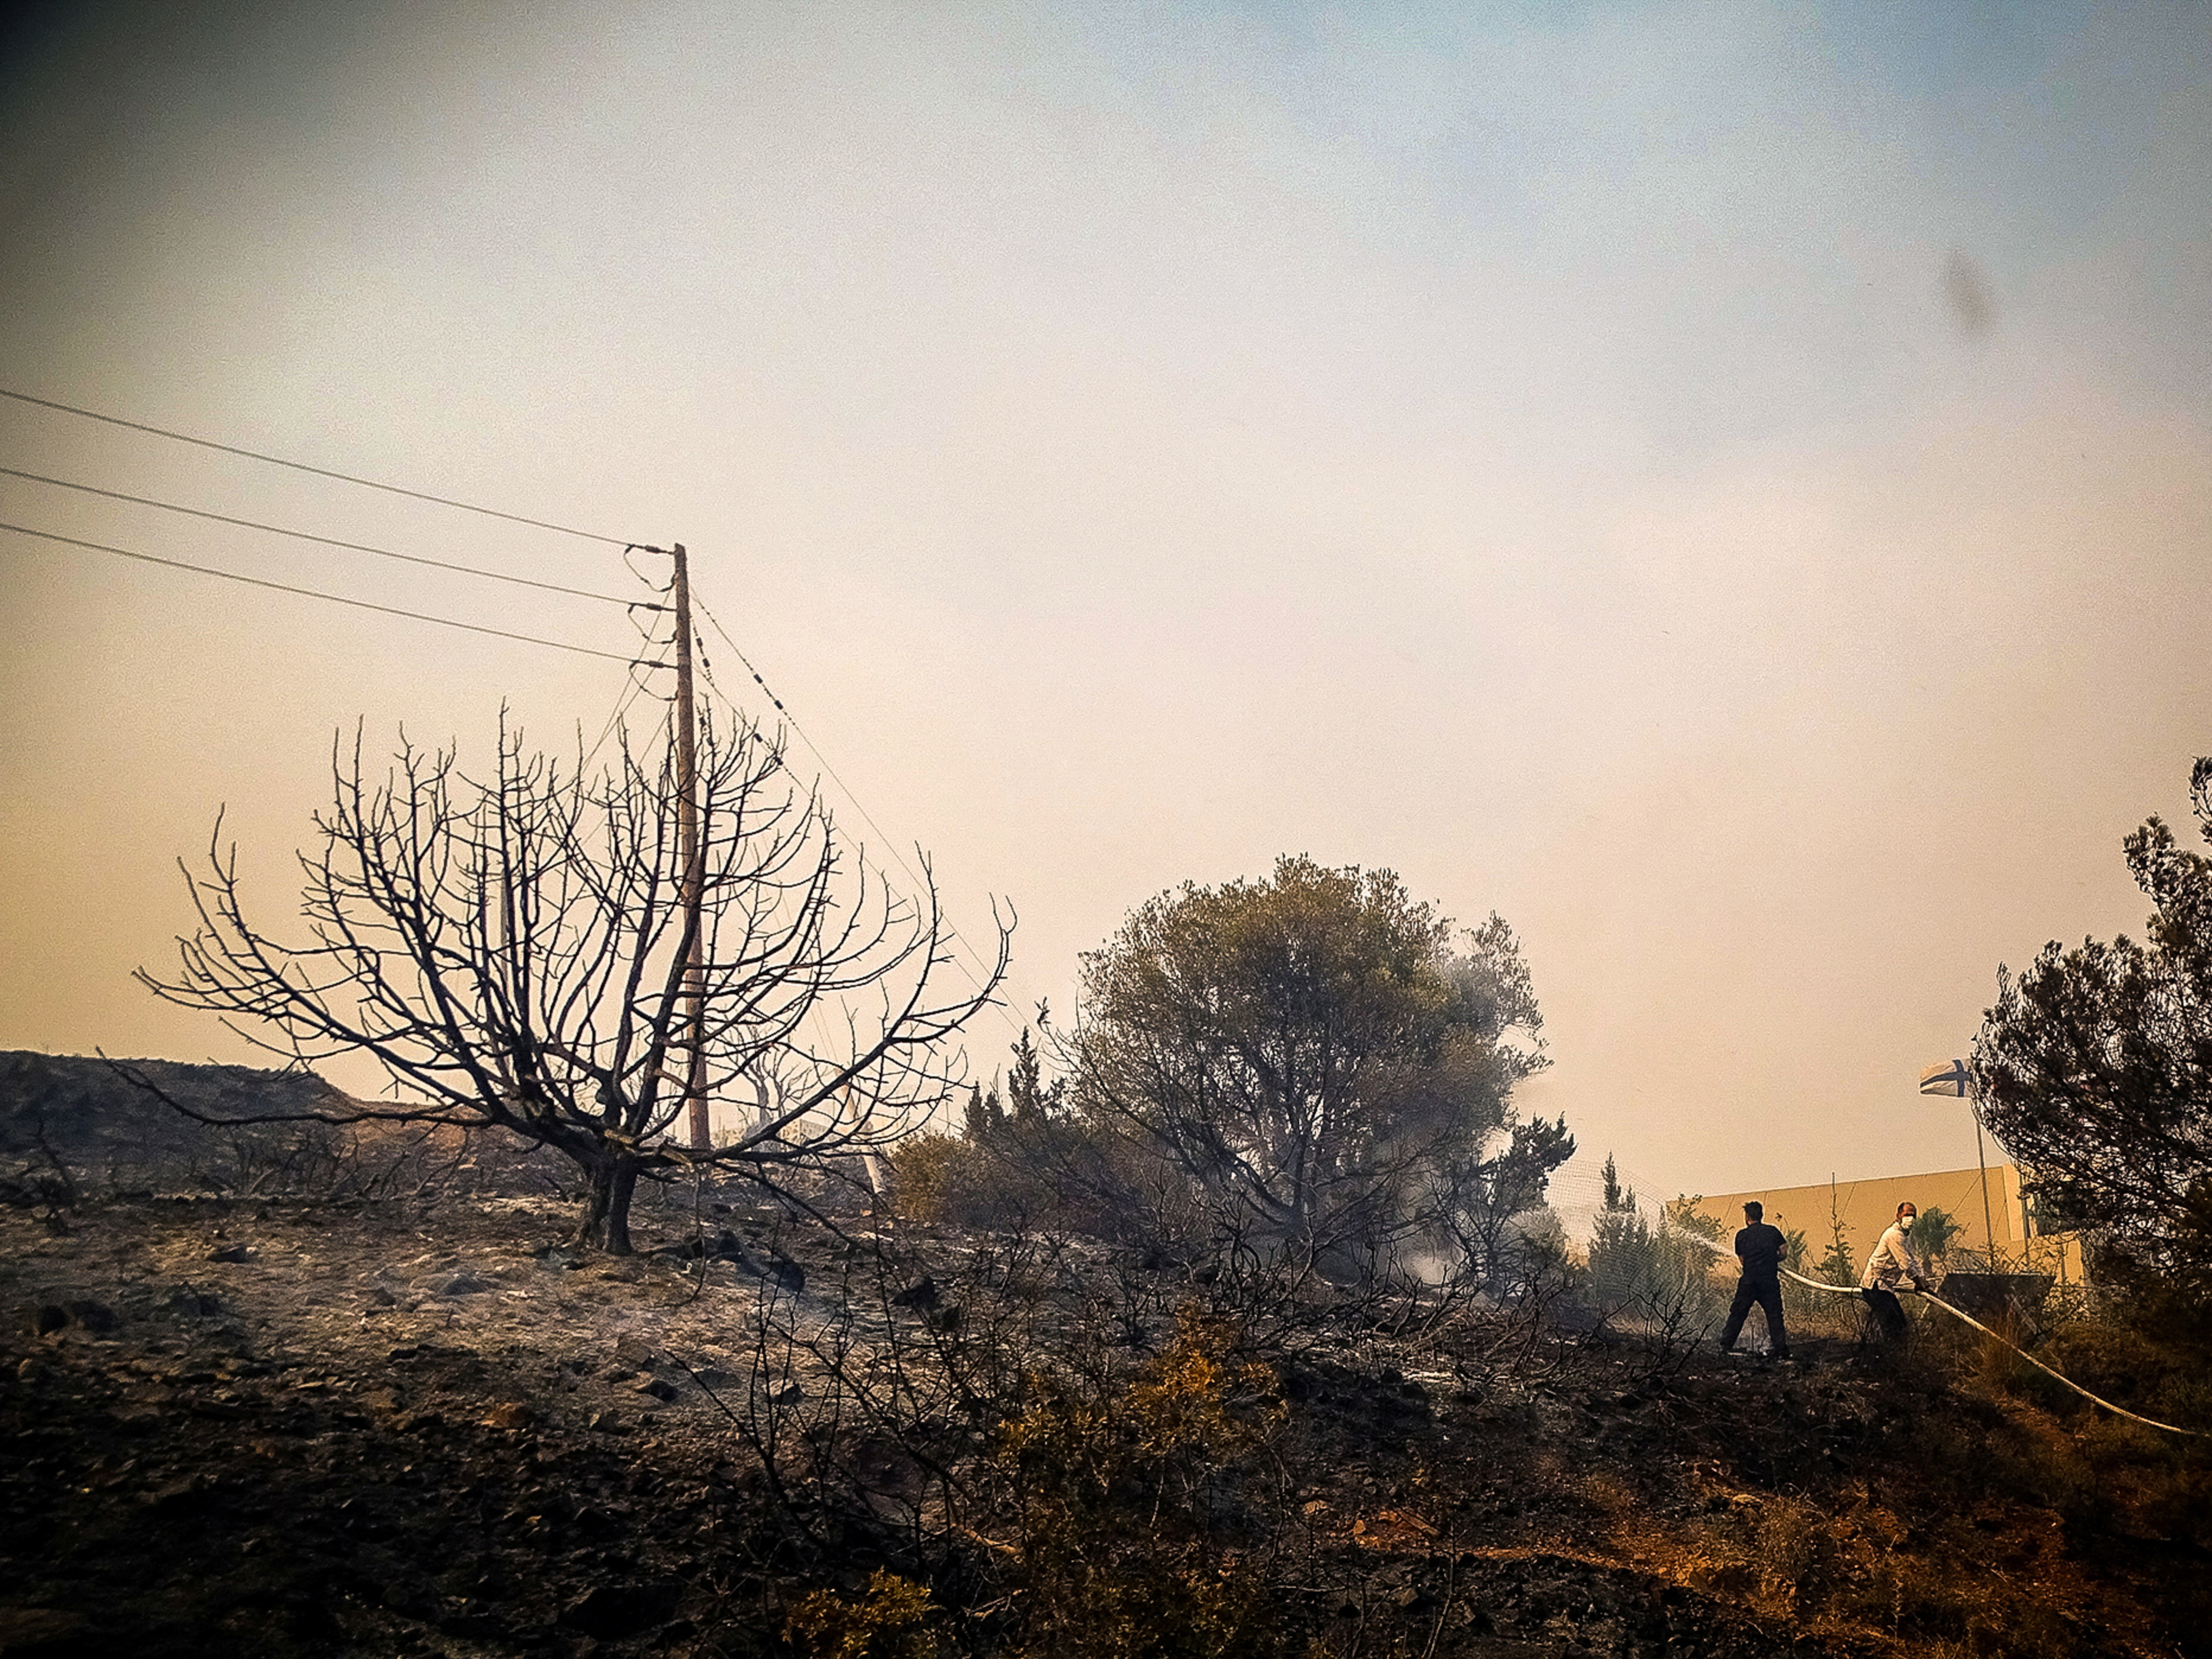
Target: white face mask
point(1904, 1223)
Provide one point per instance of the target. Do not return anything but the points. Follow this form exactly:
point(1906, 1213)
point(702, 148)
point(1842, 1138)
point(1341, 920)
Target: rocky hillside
point(433, 1428)
point(85, 1120)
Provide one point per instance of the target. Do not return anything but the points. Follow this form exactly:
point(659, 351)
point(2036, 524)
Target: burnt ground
point(389, 1428)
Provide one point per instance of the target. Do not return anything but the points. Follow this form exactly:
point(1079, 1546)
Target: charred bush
point(1004, 1452)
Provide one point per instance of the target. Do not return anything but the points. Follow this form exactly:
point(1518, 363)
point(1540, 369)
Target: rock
point(40, 1630)
point(464, 1283)
point(880, 1464)
point(176, 1494)
point(657, 1389)
point(510, 1414)
point(612, 1612)
point(472, 1622)
point(94, 1316)
point(412, 1599)
point(190, 1302)
point(1733, 1580)
point(233, 1253)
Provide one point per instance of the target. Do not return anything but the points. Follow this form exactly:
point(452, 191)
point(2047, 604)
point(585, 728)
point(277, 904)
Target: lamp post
point(1952, 1077)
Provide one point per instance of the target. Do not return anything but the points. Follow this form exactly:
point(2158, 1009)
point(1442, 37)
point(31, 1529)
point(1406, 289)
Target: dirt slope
point(395, 1429)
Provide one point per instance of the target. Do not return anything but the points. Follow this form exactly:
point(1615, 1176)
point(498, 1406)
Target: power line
point(624, 543)
point(319, 471)
point(622, 707)
point(883, 835)
point(634, 690)
point(312, 594)
point(326, 541)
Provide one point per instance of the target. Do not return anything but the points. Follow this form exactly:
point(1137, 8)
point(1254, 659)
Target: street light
point(1952, 1077)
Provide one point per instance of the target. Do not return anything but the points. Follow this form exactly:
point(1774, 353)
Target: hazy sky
point(1729, 487)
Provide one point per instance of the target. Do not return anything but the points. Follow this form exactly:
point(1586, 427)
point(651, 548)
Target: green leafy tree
point(1007, 1167)
point(985, 1114)
point(1934, 1232)
point(1793, 1248)
point(1476, 1197)
point(1684, 1216)
point(1618, 1200)
point(1031, 1098)
point(1658, 1272)
point(1306, 1051)
point(2095, 1066)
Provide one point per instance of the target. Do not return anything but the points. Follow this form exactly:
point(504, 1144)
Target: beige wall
point(1867, 1206)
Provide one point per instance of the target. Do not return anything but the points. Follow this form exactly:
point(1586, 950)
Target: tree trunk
point(605, 1226)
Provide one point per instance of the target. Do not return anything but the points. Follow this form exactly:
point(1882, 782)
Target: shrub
point(937, 1177)
point(1115, 1496)
point(892, 1618)
point(1660, 1278)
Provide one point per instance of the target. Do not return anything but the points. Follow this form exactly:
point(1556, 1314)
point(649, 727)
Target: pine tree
point(1838, 1265)
point(1030, 1100)
point(1616, 1199)
point(986, 1116)
point(1620, 1256)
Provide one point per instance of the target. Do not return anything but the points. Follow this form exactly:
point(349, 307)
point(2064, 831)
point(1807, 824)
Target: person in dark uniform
point(1760, 1247)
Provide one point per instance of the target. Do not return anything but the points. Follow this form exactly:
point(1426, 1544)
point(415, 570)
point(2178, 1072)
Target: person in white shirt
point(1892, 1262)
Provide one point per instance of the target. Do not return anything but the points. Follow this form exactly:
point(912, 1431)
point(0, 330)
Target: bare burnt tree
point(514, 951)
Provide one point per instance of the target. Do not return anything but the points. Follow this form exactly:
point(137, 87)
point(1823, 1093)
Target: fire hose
point(1959, 1314)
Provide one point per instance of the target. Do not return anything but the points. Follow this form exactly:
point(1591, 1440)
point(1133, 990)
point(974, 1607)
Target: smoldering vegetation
point(373, 1399)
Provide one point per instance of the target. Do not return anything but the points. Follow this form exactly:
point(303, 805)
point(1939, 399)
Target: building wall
point(1866, 1207)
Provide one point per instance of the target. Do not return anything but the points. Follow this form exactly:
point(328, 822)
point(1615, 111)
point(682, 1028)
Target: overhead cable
point(326, 541)
point(319, 471)
point(622, 707)
point(312, 594)
point(883, 835)
point(634, 690)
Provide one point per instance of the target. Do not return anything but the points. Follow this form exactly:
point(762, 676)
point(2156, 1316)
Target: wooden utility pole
point(693, 891)
point(1982, 1157)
